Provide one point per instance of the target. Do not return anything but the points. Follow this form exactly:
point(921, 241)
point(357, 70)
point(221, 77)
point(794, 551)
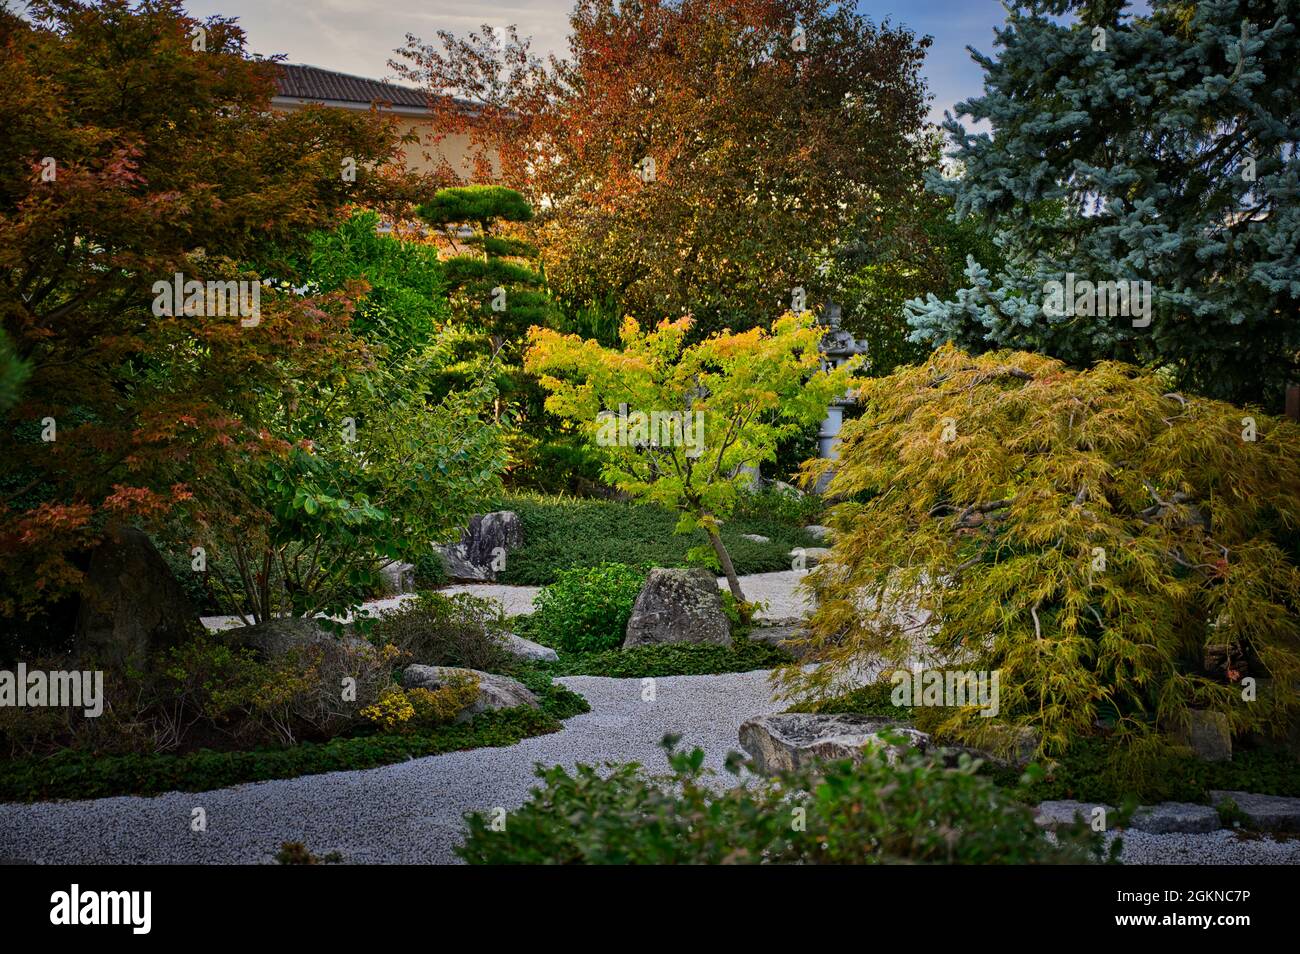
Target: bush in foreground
point(915, 812)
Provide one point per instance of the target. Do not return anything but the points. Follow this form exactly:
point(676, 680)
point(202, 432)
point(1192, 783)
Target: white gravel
point(411, 812)
point(407, 813)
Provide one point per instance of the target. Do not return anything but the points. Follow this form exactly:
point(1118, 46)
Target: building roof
point(312, 83)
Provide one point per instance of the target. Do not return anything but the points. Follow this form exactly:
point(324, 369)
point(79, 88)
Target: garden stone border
point(1267, 813)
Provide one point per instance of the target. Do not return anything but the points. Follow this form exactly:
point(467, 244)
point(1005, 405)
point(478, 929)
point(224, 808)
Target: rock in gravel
point(527, 649)
point(484, 544)
point(131, 604)
point(793, 740)
point(494, 691)
point(809, 557)
point(1263, 812)
point(1054, 814)
point(819, 532)
point(399, 578)
point(678, 606)
point(1175, 817)
point(756, 537)
point(1208, 735)
point(781, 637)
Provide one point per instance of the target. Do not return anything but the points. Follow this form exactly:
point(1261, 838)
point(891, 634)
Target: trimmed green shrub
point(438, 630)
point(915, 812)
point(587, 608)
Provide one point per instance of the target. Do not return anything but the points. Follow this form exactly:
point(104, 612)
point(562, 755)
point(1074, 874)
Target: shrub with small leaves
point(442, 705)
point(587, 608)
point(392, 711)
point(914, 812)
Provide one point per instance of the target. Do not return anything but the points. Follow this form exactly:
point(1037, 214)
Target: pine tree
point(1158, 148)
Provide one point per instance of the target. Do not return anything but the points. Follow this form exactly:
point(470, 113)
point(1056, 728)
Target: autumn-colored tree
point(676, 423)
point(1122, 554)
point(140, 144)
point(692, 156)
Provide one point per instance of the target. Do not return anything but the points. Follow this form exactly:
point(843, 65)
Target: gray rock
point(819, 532)
point(781, 637)
point(399, 578)
point(1055, 814)
point(1175, 817)
point(809, 557)
point(285, 634)
point(494, 692)
point(1263, 812)
point(756, 537)
point(483, 545)
point(527, 649)
point(790, 490)
point(795, 740)
point(1208, 735)
point(678, 606)
point(131, 604)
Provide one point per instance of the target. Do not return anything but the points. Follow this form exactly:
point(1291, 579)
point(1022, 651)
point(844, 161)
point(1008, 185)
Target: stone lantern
point(837, 347)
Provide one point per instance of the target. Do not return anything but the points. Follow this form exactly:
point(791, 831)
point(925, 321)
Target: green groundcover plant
point(913, 812)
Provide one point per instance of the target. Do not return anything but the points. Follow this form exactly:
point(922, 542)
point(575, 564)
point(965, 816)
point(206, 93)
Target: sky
point(359, 36)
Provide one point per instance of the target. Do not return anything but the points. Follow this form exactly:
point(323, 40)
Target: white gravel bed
point(408, 812)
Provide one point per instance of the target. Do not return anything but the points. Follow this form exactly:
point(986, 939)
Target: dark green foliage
point(586, 609)
point(476, 204)
point(436, 630)
point(917, 812)
point(559, 534)
point(680, 659)
point(89, 775)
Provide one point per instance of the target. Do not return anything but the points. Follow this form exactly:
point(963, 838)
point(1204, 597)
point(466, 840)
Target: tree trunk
point(728, 568)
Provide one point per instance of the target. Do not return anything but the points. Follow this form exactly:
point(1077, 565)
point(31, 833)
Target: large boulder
point(796, 740)
point(131, 604)
point(483, 546)
point(494, 691)
point(527, 649)
point(805, 558)
point(286, 634)
point(1208, 734)
point(399, 578)
point(678, 606)
point(782, 636)
point(1262, 812)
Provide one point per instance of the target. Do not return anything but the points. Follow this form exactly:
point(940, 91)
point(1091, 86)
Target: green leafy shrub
point(1095, 534)
point(437, 630)
point(916, 812)
point(587, 608)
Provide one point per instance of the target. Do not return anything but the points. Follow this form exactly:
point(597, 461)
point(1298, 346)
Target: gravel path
point(409, 812)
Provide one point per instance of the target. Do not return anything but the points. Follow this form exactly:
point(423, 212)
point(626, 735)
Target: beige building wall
point(424, 156)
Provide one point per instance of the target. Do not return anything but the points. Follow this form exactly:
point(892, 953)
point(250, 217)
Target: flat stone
point(796, 740)
point(678, 606)
point(1055, 814)
point(1175, 817)
point(527, 649)
point(1263, 812)
point(494, 691)
point(756, 537)
point(809, 556)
